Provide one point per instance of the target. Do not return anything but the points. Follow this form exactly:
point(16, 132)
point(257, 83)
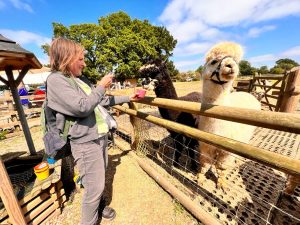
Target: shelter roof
point(12, 54)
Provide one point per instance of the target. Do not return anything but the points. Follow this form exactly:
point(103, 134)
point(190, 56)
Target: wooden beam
point(289, 122)
point(290, 97)
point(266, 86)
point(268, 77)
point(15, 94)
point(9, 199)
point(274, 160)
point(22, 74)
point(4, 80)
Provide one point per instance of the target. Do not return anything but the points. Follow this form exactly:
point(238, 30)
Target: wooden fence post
point(292, 92)
point(9, 199)
point(134, 138)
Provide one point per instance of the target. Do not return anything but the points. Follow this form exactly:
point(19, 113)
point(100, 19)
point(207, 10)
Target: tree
point(285, 64)
point(263, 70)
point(200, 69)
point(119, 43)
point(277, 70)
point(246, 68)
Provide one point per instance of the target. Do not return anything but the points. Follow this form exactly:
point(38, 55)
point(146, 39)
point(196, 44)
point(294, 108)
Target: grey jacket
point(66, 99)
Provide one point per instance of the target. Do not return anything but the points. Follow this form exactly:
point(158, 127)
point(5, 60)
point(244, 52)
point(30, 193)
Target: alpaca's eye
point(214, 62)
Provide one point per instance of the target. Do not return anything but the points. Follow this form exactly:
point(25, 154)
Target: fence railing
point(274, 120)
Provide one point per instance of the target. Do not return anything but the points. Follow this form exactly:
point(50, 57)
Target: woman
point(88, 135)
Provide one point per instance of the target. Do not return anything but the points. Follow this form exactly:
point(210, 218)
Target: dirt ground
point(136, 198)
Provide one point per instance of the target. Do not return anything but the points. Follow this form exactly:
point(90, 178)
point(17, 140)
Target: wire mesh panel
point(252, 193)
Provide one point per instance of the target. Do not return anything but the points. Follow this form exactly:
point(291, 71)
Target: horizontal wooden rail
point(268, 104)
point(289, 122)
point(268, 78)
point(266, 86)
point(271, 96)
point(26, 111)
point(274, 160)
point(30, 97)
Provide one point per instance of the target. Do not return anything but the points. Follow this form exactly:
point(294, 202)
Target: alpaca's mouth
point(216, 74)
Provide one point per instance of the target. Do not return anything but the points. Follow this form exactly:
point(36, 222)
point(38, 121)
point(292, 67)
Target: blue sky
point(267, 29)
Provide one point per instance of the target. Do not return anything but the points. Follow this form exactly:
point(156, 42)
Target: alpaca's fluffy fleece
point(219, 72)
point(223, 49)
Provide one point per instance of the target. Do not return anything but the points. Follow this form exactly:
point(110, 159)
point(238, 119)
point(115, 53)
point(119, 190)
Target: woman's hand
point(134, 97)
point(106, 80)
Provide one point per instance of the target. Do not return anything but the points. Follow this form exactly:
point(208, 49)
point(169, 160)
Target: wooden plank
point(291, 97)
point(27, 111)
point(9, 199)
point(271, 96)
point(38, 212)
point(44, 213)
point(10, 125)
point(289, 122)
point(32, 204)
point(56, 213)
point(266, 86)
point(30, 97)
point(268, 77)
point(274, 160)
point(11, 155)
point(268, 104)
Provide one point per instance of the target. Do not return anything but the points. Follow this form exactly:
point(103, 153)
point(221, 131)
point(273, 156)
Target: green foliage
point(2, 135)
point(285, 64)
point(246, 68)
point(188, 76)
point(200, 69)
point(119, 43)
point(263, 70)
point(276, 70)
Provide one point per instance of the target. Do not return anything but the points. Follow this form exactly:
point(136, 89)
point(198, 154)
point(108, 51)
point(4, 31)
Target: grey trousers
point(91, 159)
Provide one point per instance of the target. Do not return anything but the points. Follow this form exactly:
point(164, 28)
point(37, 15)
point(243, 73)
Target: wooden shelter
point(14, 57)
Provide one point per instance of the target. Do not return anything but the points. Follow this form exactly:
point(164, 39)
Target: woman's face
point(78, 65)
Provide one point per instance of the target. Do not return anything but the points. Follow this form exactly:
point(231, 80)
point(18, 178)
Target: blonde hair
point(63, 53)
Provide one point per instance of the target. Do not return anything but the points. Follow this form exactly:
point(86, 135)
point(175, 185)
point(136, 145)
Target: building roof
point(12, 54)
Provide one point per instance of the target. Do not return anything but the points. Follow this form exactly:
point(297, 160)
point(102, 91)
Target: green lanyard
point(101, 123)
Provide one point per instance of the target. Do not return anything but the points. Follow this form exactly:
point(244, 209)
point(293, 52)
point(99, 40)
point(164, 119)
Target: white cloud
point(195, 23)
point(19, 4)
point(262, 58)
point(270, 59)
point(192, 48)
point(292, 52)
point(276, 9)
point(256, 31)
point(191, 19)
point(184, 65)
point(23, 37)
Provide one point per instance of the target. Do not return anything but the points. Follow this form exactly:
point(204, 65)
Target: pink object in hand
point(141, 93)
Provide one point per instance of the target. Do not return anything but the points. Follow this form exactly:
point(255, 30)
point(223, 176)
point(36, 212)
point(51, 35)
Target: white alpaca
point(220, 70)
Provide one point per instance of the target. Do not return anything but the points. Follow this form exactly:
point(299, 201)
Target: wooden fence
point(277, 92)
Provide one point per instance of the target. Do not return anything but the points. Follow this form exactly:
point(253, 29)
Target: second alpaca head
point(222, 63)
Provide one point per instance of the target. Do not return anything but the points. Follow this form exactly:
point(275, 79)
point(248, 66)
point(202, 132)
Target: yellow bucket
point(42, 170)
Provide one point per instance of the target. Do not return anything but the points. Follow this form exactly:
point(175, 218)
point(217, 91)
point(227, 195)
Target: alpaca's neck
point(214, 93)
point(166, 89)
